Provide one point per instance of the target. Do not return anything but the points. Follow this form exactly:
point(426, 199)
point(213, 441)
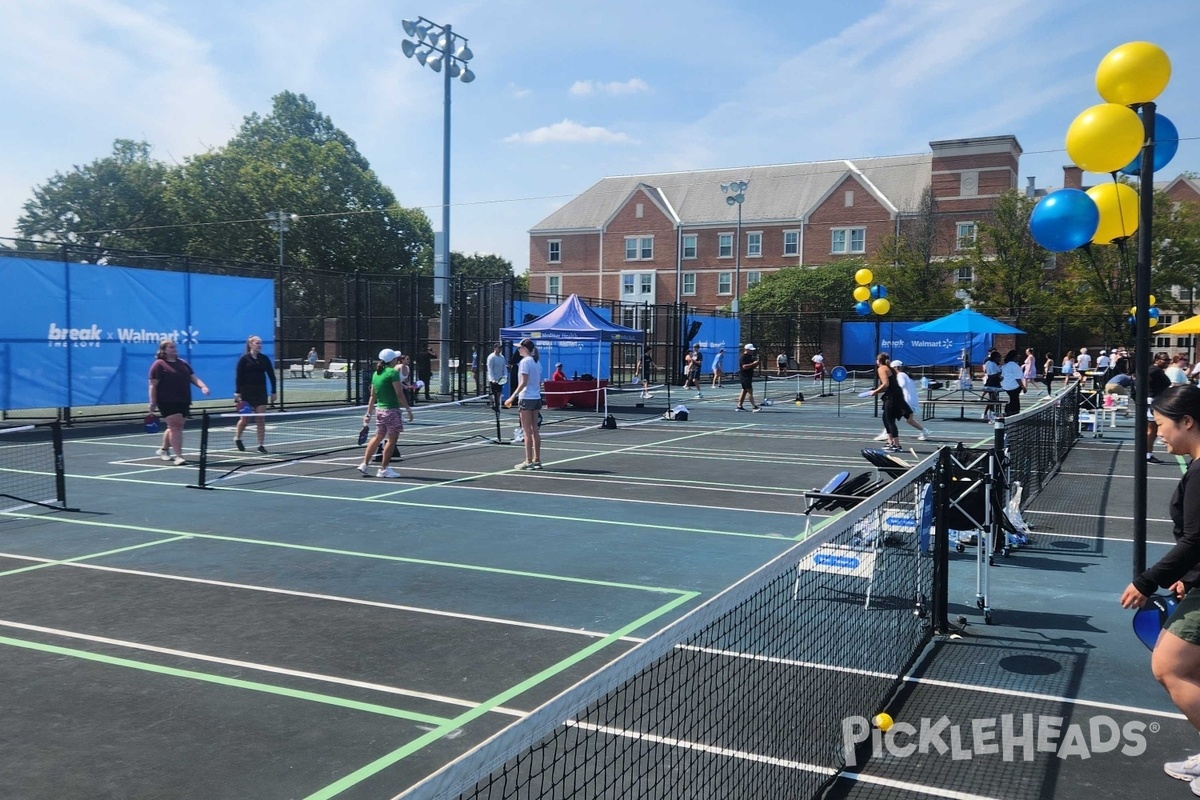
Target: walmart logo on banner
point(86, 334)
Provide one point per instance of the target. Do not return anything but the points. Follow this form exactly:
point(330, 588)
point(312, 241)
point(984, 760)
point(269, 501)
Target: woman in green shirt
point(387, 398)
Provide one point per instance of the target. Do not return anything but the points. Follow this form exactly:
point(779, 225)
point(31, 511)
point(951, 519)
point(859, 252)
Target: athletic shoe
point(923, 435)
point(535, 465)
point(739, 408)
point(262, 449)
point(364, 469)
point(1155, 460)
point(893, 449)
point(756, 408)
point(238, 444)
point(164, 454)
point(699, 396)
point(1186, 770)
point(1195, 787)
point(179, 462)
point(387, 472)
point(883, 437)
point(524, 465)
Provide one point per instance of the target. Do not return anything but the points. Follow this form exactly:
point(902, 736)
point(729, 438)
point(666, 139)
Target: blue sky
point(568, 92)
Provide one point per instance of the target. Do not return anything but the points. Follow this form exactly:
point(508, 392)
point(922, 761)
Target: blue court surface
point(302, 631)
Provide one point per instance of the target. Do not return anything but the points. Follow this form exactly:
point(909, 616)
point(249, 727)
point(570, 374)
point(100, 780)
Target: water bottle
point(924, 382)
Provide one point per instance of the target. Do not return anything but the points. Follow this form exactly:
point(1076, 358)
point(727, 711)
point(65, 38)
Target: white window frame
point(645, 283)
point(688, 278)
point(694, 246)
point(962, 242)
point(753, 278)
point(795, 251)
point(628, 280)
point(754, 244)
point(553, 288)
point(847, 236)
point(642, 248)
point(966, 274)
point(725, 279)
point(722, 250)
point(554, 251)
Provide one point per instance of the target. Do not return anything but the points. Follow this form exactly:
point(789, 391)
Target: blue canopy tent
point(968, 323)
point(574, 321)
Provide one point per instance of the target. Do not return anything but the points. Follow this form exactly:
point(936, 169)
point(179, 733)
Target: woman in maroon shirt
point(171, 380)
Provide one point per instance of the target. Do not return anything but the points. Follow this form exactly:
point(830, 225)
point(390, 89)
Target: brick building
point(673, 238)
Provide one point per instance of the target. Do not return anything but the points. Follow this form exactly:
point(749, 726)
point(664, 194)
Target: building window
point(639, 210)
point(724, 245)
point(646, 282)
point(627, 285)
point(554, 256)
point(1183, 341)
point(553, 288)
point(689, 246)
point(849, 240)
point(966, 274)
point(753, 245)
point(689, 283)
point(639, 248)
point(966, 235)
point(1187, 294)
point(753, 278)
point(849, 201)
point(724, 283)
point(791, 243)
point(1162, 342)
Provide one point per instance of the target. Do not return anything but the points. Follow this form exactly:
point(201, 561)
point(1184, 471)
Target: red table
point(579, 394)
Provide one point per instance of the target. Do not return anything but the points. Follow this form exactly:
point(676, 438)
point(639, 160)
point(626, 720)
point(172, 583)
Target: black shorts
point(171, 409)
point(530, 405)
point(254, 398)
point(747, 383)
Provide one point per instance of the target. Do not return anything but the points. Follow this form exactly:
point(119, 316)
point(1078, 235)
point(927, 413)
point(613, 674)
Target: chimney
point(1031, 187)
point(1072, 177)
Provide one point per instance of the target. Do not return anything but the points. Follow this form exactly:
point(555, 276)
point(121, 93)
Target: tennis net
point(31, 467)
point(299, 435)
point(1035, 442)
point(748, 694)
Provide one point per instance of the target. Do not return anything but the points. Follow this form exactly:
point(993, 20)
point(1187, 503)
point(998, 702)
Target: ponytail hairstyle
point(1179, 402)
point(380, 366)
point(883, 359)
point(250, 339)
point(531, 347)
point(162, 348)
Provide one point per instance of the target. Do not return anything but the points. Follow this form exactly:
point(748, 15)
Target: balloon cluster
point(1108, 138)
point(869, 298)
point(1153, 312)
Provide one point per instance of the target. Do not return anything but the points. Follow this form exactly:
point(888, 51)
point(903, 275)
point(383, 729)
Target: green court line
point(630, 448)
point(357, 554)
point(821, 524)
point(379, 764)
point(236, 683)
point(178, 538)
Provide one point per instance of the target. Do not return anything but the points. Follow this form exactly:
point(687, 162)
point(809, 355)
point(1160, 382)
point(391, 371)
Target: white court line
point(331, 597)
point(1087, 516)
point(315, 676)
point(817, 769)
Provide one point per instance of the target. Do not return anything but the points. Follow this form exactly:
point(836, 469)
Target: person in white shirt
point(1103, 362)
point(1177, 372)
point(497, 374)
point(1012, 381)
point(1084, 362)
point(909, 387)
point(528, 394)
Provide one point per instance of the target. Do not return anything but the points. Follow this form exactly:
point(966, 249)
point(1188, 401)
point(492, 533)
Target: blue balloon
point(878, 291)
point(1064, 220)
point(1166, 143)
point(1153, 312)
point(863, 308)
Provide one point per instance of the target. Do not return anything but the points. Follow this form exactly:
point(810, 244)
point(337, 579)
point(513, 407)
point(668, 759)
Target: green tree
point(824, 288)
point(480, 265)
point(116, 202)
point(918, 280)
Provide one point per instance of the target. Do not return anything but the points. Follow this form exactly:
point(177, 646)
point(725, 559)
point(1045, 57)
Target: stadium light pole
point(442, 47)
point(735, 195)
point(280, 223)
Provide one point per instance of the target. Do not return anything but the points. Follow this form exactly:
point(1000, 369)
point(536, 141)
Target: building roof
point(777, 193)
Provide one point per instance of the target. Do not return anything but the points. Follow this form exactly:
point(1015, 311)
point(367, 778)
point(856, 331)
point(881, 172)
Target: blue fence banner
point(716, 334)
point(74, 335)
point(914, 349)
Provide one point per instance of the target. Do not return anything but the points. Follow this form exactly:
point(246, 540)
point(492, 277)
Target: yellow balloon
point(1153, 302)
point(1118, 205)
point(864, 276)
point(1133, 311)
point(1153, 321)
point(1105, 138)
point(881, 306)
point(862, 293)
point(1135, 72)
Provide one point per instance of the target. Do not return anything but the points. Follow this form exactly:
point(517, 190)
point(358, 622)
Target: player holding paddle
point(1176, 658)
point(387, 396)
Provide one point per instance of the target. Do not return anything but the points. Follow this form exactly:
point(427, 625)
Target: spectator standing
point(647, 373)
point(781, 365)
point(1103, 362)
point(171, 381)
point(748, 363)
point(424, 364)
point(254, 371)
point(475, 370)
point(1048, 373)
point(818, 362)
point(496, 374)
point(1177, 372)
point(1029, 370)
point(1084, 362)
point(1157, 382)
point(1012, 381)
point(312, 359)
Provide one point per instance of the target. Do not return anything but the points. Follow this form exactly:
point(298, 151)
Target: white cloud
point(569, 132)
point(631, 86)
point(519, 92)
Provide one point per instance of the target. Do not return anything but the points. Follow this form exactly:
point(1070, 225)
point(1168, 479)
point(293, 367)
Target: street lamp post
point(443, 45)
point(280, 223)
point(735, 195)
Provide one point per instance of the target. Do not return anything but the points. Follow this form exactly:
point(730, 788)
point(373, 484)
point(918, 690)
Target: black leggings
point(890, 416)
point(1013, 406)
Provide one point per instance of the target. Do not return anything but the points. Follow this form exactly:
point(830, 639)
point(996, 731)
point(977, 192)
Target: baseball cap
point(897, 363)
point(559, 364)
point(748, 347)
point(388, 355)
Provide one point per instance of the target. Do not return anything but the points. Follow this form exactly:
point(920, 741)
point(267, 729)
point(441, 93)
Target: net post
point(60, 471)
point(496, 411)
point(202, 472)
point(941, 544)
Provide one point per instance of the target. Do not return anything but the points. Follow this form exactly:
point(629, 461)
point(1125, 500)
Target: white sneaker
point(883, 437)
point(387, 472)
point(923, 435)
point(164, 454)
point(1186, 770)
point(179, 461)
point(699, 396)
point(364, 469)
